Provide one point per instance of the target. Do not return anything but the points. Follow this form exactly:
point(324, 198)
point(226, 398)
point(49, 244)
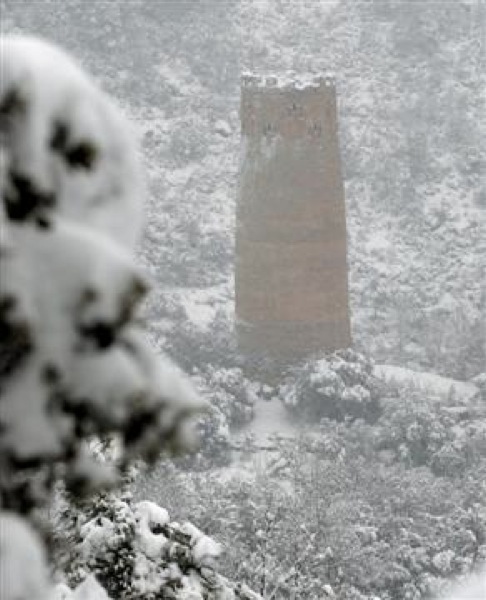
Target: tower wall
point(291, 265)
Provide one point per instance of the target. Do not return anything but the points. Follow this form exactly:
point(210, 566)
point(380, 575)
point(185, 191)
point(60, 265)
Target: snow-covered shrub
point(232, 392)
point(215, 447)
point(212, 346)
point(136, 552)
point(419, 430)
point(268, 543)
point(74, 360)
point(480, 382)
point(231, 397)
point(323, 506)
point(189, 139)
point(337, 387)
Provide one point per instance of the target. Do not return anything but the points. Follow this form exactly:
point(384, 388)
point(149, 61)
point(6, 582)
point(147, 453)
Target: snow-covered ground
point(442, 387)
point(202, 304)
point(271, 419)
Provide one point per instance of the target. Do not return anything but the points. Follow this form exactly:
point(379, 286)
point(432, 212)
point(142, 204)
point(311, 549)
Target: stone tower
point(291, 264)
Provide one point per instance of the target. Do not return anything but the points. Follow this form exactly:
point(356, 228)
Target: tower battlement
point(288, 81)
point(290, 106)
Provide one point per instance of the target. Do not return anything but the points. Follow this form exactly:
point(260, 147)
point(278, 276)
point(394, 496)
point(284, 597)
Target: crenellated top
point(288, 80)
point(289, 106)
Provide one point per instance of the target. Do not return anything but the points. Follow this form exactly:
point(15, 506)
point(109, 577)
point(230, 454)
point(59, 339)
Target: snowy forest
point(143, 456)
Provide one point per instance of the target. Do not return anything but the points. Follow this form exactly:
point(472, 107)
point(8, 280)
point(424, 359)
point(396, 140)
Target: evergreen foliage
point(340, 386)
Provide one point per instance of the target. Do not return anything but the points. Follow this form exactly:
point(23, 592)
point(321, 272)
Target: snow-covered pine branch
point(74, 362)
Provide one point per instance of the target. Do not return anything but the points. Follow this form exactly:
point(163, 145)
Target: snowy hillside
point(409, 82)
point(442, 387)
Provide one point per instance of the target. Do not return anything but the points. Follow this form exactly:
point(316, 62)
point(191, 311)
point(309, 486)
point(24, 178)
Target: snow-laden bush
point(232, 392)
point(215, 447)
point(480, 382)
point(231, 397)
point(74, 362)
point(211, 346)
point(136, 552)
point(419, 430)
point(338, 387)
point(189, 140)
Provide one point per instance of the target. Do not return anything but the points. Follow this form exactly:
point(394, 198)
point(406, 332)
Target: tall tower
point(291, 263)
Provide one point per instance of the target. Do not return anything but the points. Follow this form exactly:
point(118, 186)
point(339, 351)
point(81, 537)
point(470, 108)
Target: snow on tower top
point(289, 80)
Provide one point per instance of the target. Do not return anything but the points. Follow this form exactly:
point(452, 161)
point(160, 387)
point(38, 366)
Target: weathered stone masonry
point(291, 265)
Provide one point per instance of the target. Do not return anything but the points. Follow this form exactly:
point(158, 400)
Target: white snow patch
point(442, 386)
point(94, 534)
point(378, 241)
point(23, 566)
point(150, 514)
point(205, 550)
point(180, 177)
point(202, 304)
point(90, 589)
point(62, 592)
point(178, 74)
point(474, 588)
point(199, 312)
point(223, 128)
point(271, 419)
